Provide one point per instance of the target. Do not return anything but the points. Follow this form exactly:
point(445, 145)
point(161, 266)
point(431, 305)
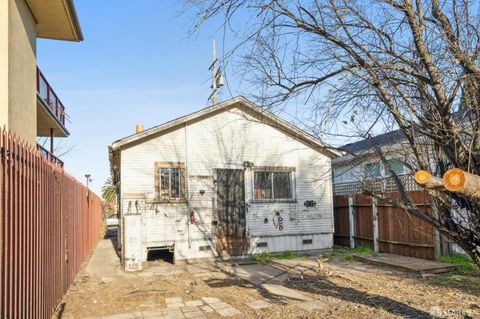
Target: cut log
point(426, 179)
point(456, 180)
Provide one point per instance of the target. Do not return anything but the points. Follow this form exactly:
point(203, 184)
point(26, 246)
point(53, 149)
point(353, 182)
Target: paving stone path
point(177, 308)
point(195, 309)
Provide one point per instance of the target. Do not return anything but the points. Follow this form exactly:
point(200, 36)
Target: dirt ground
point(344, 289)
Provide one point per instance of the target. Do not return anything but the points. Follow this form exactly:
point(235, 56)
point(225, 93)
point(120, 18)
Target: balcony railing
point(49, 156)
point(51, 99)
point(385, 185)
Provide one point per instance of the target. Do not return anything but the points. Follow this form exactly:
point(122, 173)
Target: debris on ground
point(325, 286)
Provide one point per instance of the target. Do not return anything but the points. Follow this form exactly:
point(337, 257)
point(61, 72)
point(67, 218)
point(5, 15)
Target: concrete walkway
point(105, 262)
point(269, 278)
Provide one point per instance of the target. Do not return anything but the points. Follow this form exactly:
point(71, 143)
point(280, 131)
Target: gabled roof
point(368, 144)
point(223, 106)
point(363, 146)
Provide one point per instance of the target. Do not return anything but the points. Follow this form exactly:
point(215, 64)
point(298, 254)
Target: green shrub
point(287, 255)
point(464, 264)
point(262, 258)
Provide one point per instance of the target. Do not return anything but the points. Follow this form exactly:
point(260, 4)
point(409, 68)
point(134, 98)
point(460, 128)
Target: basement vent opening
point(262, 244)
point(307, 241)
point(161, 255)
point(203, 248)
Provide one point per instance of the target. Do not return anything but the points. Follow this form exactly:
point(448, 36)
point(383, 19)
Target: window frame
point(272, 170)
point(383, 171)
point(367, 171)
point(398, 160)
point(158, 182)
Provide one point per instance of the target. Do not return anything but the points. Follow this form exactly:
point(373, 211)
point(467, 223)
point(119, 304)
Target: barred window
point(263, 185)
point(282, 185)
point(169, 181)
point(273, 185)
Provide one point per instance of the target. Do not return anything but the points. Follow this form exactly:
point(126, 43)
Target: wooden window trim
point(169, 200)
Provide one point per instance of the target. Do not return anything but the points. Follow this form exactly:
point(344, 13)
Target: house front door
point(231, 239)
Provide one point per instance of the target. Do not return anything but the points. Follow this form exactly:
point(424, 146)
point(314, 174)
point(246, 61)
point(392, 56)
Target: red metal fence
point(49, 223)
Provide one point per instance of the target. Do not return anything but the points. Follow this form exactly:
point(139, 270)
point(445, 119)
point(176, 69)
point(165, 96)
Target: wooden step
point(415, 265)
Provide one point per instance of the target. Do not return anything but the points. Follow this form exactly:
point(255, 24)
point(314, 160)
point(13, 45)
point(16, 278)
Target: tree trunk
point(463, 183)
point(424, 178)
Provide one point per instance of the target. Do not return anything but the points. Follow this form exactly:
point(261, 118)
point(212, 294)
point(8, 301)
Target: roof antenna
point(217, 78)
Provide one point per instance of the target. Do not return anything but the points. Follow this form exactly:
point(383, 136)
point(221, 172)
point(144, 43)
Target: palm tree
point(109, 193)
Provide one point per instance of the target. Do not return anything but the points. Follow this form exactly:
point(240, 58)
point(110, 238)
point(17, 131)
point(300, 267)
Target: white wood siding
point(226, 140)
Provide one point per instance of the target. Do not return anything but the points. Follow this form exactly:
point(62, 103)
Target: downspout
point(187, 194)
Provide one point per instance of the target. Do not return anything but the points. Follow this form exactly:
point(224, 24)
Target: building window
point(169, 181)
point(396, 165)
point(273, 184)
point(282, 185)
point(373, 170)
point(263, 185)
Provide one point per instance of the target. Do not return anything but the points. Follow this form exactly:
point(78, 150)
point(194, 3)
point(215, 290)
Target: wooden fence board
point(363, 220)
point(342, 229)
point(398, 232)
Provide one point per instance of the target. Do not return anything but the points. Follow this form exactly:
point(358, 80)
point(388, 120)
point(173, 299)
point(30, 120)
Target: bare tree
point(408, 64)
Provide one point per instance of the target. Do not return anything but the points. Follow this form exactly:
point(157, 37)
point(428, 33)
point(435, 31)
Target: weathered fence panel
point(398, 232)
point(363, 220)
point(340, 215)
point(403, 234)
point(49, 222)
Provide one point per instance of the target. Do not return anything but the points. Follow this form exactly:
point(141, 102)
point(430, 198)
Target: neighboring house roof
point(223, 106)
point(389, 138)
point(356, 152)
point(379, 140)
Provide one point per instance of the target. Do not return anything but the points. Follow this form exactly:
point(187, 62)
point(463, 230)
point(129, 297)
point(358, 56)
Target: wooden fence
point(361, 220)
point(49, 223)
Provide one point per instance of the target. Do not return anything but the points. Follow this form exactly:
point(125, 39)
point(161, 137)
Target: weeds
point(362, 250)
point(348, 253)
point(465, 265)
point(287, 255)
point(263, 258)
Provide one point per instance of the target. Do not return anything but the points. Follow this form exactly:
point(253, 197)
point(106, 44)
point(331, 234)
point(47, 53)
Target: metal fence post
point(35, 196)
point(375, 224)
point(351, 222)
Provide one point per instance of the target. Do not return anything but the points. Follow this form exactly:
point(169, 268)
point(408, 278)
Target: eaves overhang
point(56, 19)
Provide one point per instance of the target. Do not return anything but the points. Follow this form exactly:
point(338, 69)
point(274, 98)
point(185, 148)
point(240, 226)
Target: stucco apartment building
point(29, 107)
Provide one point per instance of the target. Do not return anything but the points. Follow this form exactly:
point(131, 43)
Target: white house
point(360, 160)
point(229, 180)
point(361, 163)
